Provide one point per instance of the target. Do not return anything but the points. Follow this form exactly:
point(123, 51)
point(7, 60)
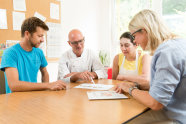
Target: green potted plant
point(104, 58)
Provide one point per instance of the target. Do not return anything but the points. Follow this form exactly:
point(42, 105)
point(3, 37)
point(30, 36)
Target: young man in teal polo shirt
point(22, 61)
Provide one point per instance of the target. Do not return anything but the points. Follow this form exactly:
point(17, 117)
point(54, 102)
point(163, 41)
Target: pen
point(92, 81)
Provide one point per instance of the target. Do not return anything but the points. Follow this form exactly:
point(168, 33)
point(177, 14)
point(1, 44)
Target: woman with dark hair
point(133, 64)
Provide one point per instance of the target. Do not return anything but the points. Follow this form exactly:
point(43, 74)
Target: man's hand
point(85, 75)
point(57, 85)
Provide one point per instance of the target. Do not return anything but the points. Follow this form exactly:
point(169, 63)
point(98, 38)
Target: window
point(126, 9)
point(174, 14)
point(123, 12)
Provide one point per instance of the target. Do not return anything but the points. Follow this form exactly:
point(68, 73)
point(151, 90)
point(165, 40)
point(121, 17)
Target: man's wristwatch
point(131, 89)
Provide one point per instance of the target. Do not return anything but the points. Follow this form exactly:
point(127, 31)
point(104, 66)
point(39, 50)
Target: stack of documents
point(94, 86)
point(95, 95)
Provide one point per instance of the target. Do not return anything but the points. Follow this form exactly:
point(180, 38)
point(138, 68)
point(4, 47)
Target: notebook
point(96, 95)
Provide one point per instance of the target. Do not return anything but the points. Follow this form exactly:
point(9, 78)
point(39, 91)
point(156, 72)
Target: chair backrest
point(2, 83)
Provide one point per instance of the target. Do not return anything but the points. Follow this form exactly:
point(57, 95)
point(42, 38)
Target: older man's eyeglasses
point(78, 42)
point(132, 35)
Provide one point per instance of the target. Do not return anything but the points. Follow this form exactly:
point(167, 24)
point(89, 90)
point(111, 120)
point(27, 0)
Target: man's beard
point(32, 44)
point(30, 41)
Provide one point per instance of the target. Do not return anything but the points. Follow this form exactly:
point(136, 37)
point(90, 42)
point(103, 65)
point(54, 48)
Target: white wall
point(52, 68)
point(92, 17)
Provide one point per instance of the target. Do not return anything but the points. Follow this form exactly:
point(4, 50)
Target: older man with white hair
point(79, 63)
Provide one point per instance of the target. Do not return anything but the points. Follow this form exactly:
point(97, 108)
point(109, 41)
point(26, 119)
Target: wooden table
point(70, 106)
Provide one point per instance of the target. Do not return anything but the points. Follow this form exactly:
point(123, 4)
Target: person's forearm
point(27, 86)
point(45, 78)
point(141, 80)
point(70, 74)
point(147, 100)
point(114, 76)
point(74, 77)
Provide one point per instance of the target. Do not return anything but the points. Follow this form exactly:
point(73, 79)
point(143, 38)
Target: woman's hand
point(120, 78)
point(122, 87)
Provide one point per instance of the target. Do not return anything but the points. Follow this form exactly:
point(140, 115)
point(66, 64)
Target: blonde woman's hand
point(123, 87)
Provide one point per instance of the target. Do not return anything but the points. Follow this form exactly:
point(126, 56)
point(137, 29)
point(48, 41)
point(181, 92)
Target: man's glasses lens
point(77, 42)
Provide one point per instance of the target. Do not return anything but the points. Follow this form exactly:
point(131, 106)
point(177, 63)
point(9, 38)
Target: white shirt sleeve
point(63, 69)
point(97, 67)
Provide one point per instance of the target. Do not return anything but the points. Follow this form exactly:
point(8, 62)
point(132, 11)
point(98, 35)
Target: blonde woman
point(132, 64)
point(166, 96)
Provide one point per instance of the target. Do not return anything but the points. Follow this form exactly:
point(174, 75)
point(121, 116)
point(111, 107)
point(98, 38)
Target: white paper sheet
point(93, 95)
point(3, 19)
point(36, 14)
point(54, 11)
point(18, 18)
point(94, 86)
point(54, 34)
point(19, 5)
point(55, 45)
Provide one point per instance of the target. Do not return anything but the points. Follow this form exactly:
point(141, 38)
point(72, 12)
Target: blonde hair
point(157, 32)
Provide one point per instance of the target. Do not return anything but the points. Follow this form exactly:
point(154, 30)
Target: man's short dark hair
point(30, 25)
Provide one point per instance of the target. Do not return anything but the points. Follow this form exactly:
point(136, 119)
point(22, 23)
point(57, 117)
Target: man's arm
point(83, 76)
point(70, 74)
point(44, 74)
point(16, 85)
point(97, 67)
point(63, 71)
